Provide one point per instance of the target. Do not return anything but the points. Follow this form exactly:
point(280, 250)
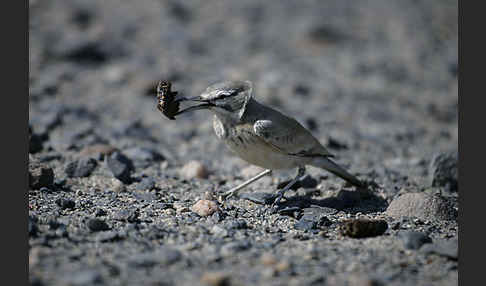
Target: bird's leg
point(234, 190)
point(300, 174)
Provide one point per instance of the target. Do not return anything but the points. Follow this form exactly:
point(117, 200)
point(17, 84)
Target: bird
point(263, 136)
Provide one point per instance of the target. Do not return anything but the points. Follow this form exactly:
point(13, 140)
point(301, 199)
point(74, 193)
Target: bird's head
point(227, 99)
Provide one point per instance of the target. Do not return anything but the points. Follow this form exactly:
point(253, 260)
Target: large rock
point(423, 206)
point(40, 175)
point(444, 172)
point(82, 167)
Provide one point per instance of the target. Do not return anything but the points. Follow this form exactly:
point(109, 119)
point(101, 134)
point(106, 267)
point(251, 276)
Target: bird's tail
point(329, 165)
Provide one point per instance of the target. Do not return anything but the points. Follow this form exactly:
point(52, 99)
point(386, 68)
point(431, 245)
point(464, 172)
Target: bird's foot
point(274, 207)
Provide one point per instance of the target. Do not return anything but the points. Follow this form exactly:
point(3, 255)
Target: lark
point(263, 136)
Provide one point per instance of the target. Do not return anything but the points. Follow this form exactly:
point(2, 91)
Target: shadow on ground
point(364, 201)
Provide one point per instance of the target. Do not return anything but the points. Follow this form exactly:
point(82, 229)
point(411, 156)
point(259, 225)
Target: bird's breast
point(242, 140)
point(253, 149)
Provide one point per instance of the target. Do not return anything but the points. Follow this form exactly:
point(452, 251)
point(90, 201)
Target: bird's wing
point(289, 137)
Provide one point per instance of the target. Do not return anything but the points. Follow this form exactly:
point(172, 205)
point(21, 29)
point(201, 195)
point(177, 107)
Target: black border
point(471, 81)
point(14, 28)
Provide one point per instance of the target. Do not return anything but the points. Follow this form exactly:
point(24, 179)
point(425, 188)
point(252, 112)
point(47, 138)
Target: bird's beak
point(205, 104)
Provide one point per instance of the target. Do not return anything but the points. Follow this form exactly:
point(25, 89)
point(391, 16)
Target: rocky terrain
point(121, 195)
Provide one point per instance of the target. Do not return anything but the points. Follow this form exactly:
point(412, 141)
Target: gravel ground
point(120, 195)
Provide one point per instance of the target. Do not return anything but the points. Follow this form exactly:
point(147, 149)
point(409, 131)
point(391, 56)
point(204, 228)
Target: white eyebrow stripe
point(227, 92)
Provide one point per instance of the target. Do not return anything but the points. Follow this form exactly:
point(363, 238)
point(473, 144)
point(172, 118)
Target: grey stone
point(234, 247)
point(423, 206)
point(236, 224)
point(147, 183)
point(444, 171)
point(82, 167)
point(40, 175)
point(164, 256)
point(143, 154)
point(305, 224)
point(413, 239)
point(95, 224)
point(108, 236)
point(307, 182)
point(120, 166)
point(65, 203)
point(443, 247)
point(35, 142)
point(84, 278)
point(33, 229)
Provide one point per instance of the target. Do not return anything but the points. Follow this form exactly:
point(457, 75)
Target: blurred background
point(375, 80)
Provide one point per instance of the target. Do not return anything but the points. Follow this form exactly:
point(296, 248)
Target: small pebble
point(237, 224)
point(268, 259)
point(307, 182)
point(304, 224)
point(100, 212)
point(219, 231)
point(215, 279)
point(65, 203)
point(35, 142)
point(205, 207)
point(40, 175)
point(209, 196)
point(95, 224)
point(143, 154)
point(118, 185)
point(82, 167)
point(32, 227)
point(282, 266)
point(107, 236)
point(180, 207)
point(147, 183)
point(194, 169)
point(120, 166)
point(84, 277)
point(163, 256)
point(414, 239)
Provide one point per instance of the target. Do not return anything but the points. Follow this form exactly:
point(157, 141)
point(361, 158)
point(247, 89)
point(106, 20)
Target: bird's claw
point(274, 207)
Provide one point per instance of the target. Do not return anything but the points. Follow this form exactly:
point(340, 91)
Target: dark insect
point(166, 102)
